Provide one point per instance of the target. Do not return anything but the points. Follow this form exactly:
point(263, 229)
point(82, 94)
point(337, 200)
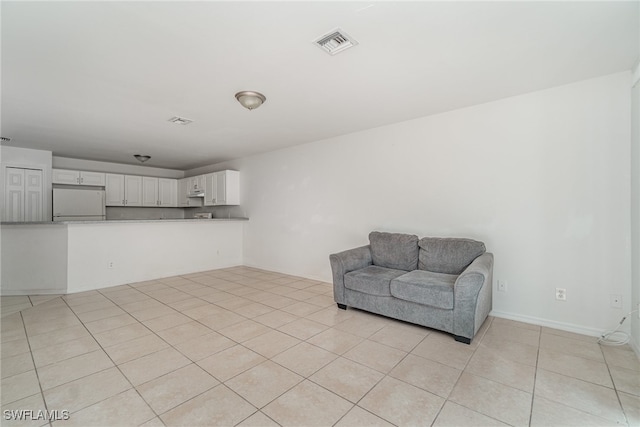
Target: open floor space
point(242, 346)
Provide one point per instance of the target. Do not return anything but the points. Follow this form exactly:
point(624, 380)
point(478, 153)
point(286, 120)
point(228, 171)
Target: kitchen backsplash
point(115, 213)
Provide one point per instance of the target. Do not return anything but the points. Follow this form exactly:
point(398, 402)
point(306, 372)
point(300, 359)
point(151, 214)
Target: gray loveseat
point(441, 283)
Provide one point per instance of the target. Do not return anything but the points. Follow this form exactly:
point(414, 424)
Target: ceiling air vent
point(180, 120)
point(335, 42)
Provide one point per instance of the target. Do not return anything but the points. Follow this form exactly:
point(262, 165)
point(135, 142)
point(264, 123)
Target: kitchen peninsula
point(68, 257)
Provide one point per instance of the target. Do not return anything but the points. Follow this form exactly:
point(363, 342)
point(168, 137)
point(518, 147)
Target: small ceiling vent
point(180, 120)
point(335, 42)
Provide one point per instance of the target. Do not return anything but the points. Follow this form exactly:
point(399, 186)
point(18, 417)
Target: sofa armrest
point(344, 262)
point(472, 296)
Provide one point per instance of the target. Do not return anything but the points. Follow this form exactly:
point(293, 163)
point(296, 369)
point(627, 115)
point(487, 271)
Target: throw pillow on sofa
point(448, 255)
point(394, 250)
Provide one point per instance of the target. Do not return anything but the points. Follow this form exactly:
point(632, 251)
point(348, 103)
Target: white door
point(14, 195)
point(167, 192)
point(132, 190)
point(33, 195)
point(24, 195)
point(149, 191)
point(114, 185)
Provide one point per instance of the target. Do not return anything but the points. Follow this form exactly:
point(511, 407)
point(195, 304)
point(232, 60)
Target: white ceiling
point(99, 80)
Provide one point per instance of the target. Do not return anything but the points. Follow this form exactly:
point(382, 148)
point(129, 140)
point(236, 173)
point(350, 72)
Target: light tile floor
point(248, 347)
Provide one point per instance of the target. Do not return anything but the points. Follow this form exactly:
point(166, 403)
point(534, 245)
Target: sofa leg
point(461, 339)
point(342, 306)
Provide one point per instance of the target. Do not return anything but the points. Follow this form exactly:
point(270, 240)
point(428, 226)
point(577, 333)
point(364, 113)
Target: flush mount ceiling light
point(141, 158)
point(250, 99)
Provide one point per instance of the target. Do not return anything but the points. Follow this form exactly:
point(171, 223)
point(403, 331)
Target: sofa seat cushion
point(372, 280)
point(425, 287)
point(448, 255)
point(394, 250)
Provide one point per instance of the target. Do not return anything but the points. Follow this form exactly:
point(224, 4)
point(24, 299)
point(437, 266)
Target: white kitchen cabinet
point(24, 195)
point(123, 190)
point(72, 177)
point(167, 192)
point(149, 191)
point(159, 192)
point(114, 186)
point(222, 188)
point(132, 190)
point(210, 182)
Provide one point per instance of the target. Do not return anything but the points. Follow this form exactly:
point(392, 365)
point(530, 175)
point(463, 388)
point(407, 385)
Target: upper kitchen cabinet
point(123, 190)
point(159, 192)
point(222, 188)
point(71, 177)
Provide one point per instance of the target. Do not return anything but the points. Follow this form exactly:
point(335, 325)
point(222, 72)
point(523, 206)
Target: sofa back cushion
point(394, 250)
point(448, 255)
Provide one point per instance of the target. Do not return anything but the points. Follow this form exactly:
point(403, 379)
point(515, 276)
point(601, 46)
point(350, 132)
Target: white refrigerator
point(78, 205)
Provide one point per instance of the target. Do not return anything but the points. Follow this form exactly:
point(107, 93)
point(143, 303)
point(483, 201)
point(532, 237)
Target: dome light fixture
point(250, 99)
point(141, 158)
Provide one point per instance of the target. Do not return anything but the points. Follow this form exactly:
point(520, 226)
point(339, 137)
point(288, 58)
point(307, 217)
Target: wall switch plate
point(561, 294)
point(502, 286)
point(615, 300)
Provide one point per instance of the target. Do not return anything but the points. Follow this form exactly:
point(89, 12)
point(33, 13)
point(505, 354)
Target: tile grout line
point(114, 365)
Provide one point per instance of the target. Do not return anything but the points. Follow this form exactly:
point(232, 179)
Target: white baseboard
point(569, 327)
point(31, 292)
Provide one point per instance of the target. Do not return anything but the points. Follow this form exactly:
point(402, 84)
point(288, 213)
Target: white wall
point(543, 179)
point(635, 208)
point(34, 259)
point(96, 166)
point(24, 157)
point(148, 250)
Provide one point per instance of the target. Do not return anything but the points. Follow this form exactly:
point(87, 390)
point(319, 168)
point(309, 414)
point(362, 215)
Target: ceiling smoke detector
point(4, 139)
point(180, 120)
point(335, 42)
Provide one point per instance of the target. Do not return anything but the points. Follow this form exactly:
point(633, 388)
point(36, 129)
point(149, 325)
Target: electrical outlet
point(615, 300)
point(502, 286)
point(561, 294)
point(110, 264)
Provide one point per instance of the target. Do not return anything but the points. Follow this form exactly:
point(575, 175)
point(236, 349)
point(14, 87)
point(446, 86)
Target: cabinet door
point(33, 195)
point(183, 190)
point(221, 188)
point(210, 189)
point(167, 192)
point(227, 188)
point(149, 191)
point(132, 190)
point(64, 176)
point(92, 178)
point(114, 185)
